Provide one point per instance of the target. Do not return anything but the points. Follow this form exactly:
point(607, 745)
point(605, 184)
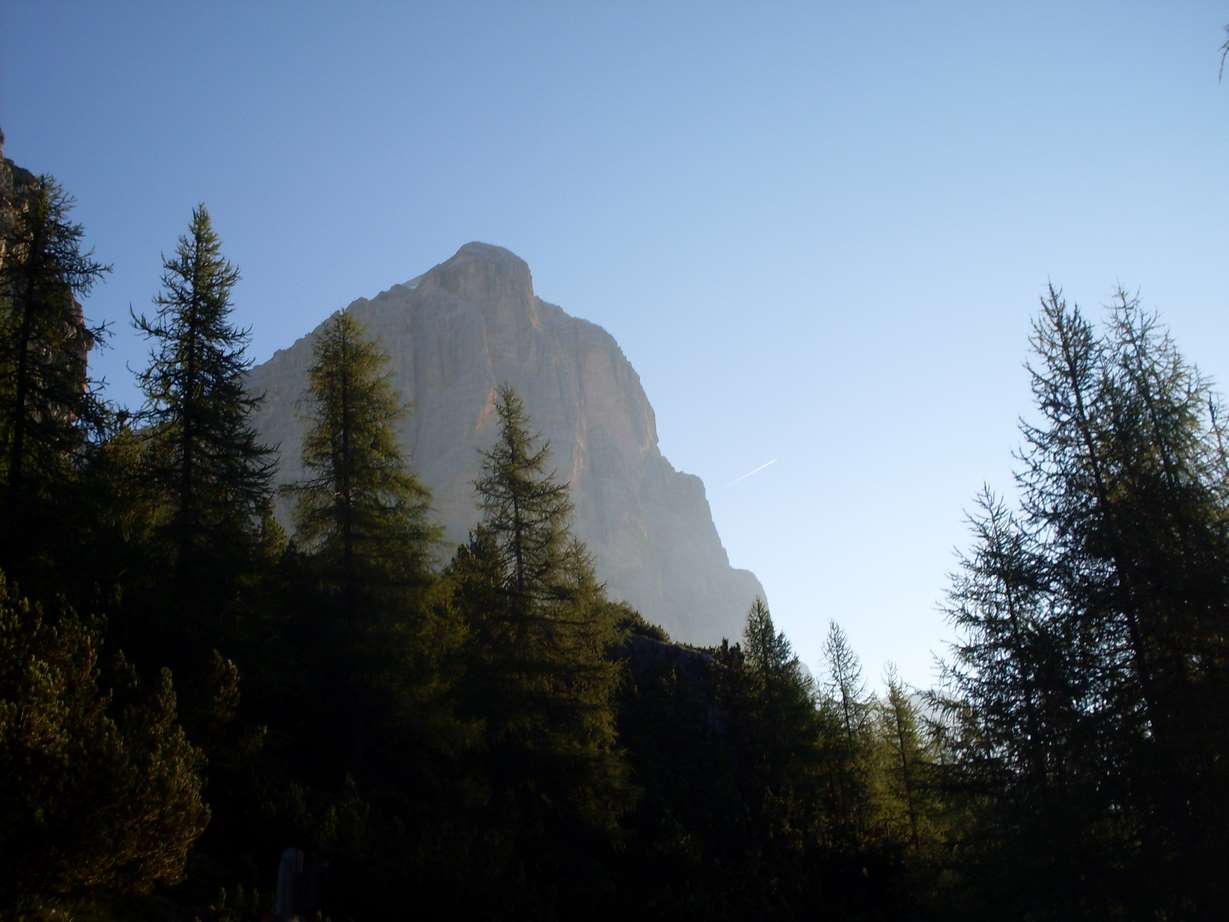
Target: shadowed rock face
point(472, 323)
point(14, 183)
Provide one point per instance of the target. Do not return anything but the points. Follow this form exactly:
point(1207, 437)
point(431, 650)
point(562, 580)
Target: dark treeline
point(187, 689)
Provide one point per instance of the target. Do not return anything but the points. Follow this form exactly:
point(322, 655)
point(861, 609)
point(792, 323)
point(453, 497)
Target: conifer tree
point(205, 454)
point(778, 758)
point(527, 510)
point(102, 792)
point(1121, 477)
point(361, 511)
point(909, 786)
point(548, 612)
point(786, 699)
point(540, 628)
point(48, 404)
point(388, 644)
point(846, 709)
point(1090, 666)
point(846, 685)
point(1016, 673)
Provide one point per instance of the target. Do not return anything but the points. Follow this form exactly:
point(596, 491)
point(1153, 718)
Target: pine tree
point(102, 793)
point(786, 700)
point(846, 709)
point(205, 454)
point(541, 679)
point(914, 820)
point(1089, 674)
point(361, 511)
point(1123, 479)
point(776, 731)
point(910, 787)
point(387, 645)
point(526, 509)
point(48, 404)
point(1018, 672)
point(383, 640)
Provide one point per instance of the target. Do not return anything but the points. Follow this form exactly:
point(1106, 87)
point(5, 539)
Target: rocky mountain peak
point(483, 273)
point(472, 323)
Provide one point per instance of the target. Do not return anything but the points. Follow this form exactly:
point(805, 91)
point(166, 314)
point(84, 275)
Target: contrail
point(750, 472)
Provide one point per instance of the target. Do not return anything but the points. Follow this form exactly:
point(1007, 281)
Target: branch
point(1224, 53)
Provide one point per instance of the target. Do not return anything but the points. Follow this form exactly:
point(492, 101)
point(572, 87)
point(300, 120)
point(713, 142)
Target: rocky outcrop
point(14, 181)
point(470, 324)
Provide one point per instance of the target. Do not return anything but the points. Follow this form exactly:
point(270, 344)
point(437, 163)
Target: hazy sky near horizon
point(818, 231)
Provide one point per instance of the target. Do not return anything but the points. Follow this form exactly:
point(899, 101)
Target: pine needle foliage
point(1089, 673)
point(847, 740)
point(778, 730)
point(361, 511)
point(525, 507)
point(541, 677)
point(205, 454)
point(547, 624)
point(909, 789)
point(49, 407)
point(102, 793)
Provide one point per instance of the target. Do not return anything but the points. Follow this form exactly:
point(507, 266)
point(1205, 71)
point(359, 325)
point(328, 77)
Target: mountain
point(457, 332)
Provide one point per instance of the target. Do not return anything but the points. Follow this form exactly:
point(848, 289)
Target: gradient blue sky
point(818, 230)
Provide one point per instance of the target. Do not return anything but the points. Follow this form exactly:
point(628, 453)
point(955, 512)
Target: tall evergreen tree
point(910, 788)
point(786, 698)
point(205, 454)
point(382, 640)
point(1014, 692)
point(48, 404)
point(361, 511)
point(1126, 479)
point(1090, 666)
point(541, 678)
point(526, 509)
point(776, 730)
point(846, 710)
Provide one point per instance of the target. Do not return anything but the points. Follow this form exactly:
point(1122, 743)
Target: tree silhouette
point(48, 404)
point(204, 453)
point(361, 511)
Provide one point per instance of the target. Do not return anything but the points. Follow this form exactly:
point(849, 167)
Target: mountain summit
point(459, 331)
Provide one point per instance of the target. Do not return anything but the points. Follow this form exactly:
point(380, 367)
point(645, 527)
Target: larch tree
point(540, 629)
point(777, 726)
point(846, 686)
point(786, 700)
point(1090, 666)
point(387, 644)
point(846, 709)
point(526, 509)
point(48, 404)
point(909, 786)
point(205, 455)
point(1123, 477)
point(361, 511)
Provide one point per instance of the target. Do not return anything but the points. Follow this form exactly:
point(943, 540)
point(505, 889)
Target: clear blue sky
point(818, 231)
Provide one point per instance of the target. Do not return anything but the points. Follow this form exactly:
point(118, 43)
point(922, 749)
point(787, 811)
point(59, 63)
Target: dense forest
point(188, 690)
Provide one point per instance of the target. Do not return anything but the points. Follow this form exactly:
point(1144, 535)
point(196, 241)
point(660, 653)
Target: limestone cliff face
point(469, 325)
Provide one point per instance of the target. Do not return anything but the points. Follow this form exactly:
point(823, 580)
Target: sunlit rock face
point(454, 335)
